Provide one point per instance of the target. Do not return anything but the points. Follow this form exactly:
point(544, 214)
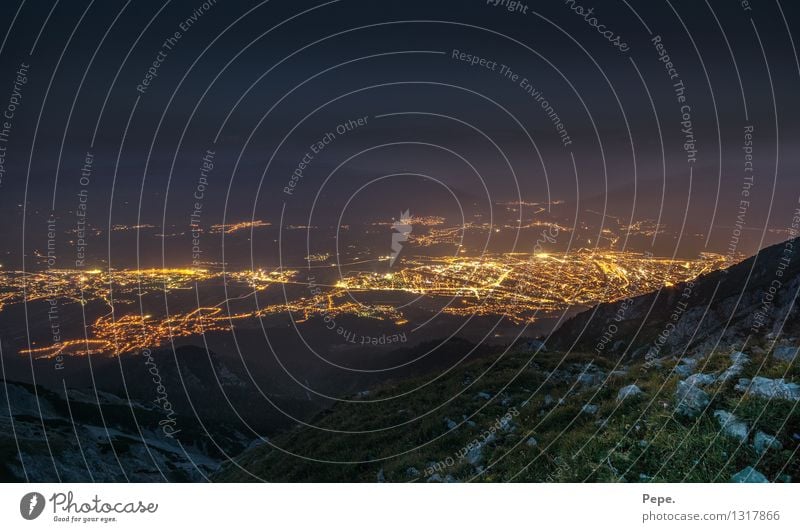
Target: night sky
point(259, 83)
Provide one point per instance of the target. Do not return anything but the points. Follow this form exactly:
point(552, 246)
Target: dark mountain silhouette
point(721, 307)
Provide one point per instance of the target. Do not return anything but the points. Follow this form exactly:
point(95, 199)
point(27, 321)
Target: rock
point(590, 409)
point(531, 442)
point(732, 426)
point(471, 423)
point(381, 476)
point(748, 475)
point(412, 472)
point(774, 389)
point(643, 443)
point(785, 353)
point(730, 373)
point(590, 376)
point(685, 366)
point(738, 359)
point(742, 385)
point(763, 442)
point(700, 379)
point(630, 390)
point(691, 400)
point(436, 477)
point(475, 455)
point(483, 395)
point(507, 425)
point(590, 380)
point(548, 400)
point(450, 423)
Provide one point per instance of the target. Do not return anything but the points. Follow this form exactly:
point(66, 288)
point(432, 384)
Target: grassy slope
point(641, 439)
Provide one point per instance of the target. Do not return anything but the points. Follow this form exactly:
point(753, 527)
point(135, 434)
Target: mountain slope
point(721, 307)
point(77, 436)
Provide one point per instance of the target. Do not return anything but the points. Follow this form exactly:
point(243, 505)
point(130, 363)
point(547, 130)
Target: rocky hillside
point(77, 436)
point(549, 417)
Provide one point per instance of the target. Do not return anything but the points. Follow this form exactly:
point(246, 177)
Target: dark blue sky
point(236, 82)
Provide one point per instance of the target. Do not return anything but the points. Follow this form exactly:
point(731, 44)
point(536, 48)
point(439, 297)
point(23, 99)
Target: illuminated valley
point(518, 287)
